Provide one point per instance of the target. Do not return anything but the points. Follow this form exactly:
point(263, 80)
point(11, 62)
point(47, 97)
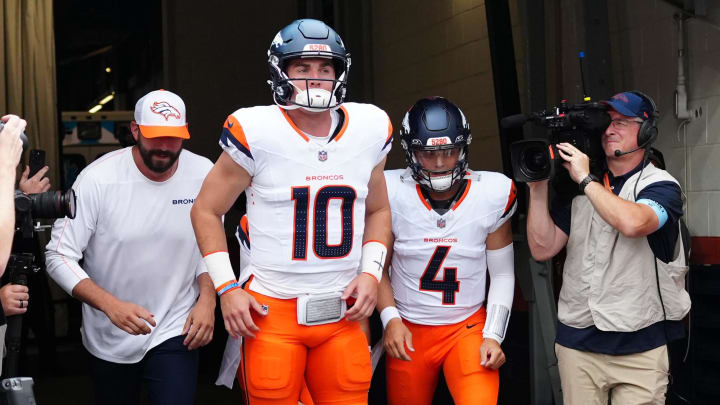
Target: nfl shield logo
point(441, 223)
point(322, 156)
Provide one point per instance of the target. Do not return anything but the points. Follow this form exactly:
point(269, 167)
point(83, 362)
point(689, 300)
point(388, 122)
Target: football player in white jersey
point(312, 170)
point(450, 228)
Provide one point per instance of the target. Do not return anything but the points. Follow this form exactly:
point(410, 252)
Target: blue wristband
point(659, 210)
point(227, 288)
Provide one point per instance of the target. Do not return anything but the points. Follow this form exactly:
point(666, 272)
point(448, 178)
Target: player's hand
point(576, 162)
point(396, 336)
point(235, 306)
point(14, 298)
point(365, 287)
point(35, 184)
point(131, 318)
point(10, 143)
point(491, 354)
point(200, 324)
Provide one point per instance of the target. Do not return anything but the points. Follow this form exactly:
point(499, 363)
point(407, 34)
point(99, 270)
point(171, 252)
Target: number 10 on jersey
point(319, 221)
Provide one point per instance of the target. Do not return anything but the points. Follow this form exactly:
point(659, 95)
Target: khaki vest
point(609, 279)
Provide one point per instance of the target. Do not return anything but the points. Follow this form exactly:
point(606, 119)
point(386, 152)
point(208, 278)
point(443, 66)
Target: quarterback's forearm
point(501, 267)
point(209, 230)
point(211, 241)
point(631, 219)
point(378, 226)
point(386, 298)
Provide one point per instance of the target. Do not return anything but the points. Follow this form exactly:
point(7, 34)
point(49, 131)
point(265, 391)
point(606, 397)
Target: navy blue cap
point(632, 105)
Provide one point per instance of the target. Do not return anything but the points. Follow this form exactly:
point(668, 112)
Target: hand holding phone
point(37, 161)
point(33, 179)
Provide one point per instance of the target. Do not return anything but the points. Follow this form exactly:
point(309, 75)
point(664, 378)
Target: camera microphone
point(514, 121)
point(619, 153)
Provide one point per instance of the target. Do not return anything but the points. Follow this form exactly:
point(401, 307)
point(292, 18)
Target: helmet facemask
point(288, 95)
point(437, 180)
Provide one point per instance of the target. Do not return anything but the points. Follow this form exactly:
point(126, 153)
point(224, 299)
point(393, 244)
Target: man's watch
point(589, 178)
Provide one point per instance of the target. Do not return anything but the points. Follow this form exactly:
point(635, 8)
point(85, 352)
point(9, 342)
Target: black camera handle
point(19, 267)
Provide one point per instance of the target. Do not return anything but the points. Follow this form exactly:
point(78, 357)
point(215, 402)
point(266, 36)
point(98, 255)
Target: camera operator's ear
point(135, 129)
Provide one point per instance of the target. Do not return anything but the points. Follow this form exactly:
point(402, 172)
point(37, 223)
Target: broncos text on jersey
point(306, 202)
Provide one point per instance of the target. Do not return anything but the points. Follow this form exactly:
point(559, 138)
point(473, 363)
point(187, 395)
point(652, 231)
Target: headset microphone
point(619, 153)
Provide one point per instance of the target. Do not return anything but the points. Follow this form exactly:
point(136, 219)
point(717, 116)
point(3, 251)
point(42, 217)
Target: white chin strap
point(441, 183)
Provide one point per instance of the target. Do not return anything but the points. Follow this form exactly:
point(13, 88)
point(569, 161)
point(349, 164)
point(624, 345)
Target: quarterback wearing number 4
point(312, 170)
point(450, 228)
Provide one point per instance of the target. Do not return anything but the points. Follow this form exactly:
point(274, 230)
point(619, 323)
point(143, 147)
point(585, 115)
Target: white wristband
point(373, 259)
point(219, 268)
point(388, 314)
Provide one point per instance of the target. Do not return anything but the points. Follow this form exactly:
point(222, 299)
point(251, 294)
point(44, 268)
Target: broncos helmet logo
point(165, 109)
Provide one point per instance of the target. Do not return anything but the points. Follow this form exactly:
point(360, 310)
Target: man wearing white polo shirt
point(147, 298)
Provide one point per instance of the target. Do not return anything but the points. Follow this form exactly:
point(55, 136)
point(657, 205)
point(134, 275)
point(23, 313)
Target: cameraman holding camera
point(623, 292)
point(10, 152)
point(15, 297)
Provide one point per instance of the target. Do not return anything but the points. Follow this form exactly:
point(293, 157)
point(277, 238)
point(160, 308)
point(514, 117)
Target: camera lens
point(53, 204)
point(534, 161)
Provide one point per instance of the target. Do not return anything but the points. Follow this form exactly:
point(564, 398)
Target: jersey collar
point(339, 130)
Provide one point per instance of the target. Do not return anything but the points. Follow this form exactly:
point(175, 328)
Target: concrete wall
point(217, 61)
point(436, 48)
point(644, 43)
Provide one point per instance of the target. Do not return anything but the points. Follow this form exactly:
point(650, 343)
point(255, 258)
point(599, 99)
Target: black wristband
point(587, 180)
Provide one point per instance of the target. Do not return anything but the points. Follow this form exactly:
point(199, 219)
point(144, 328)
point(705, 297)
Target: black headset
point(648, 132)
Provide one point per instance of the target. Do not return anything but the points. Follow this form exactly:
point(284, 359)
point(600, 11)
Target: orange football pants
point(455, 348)
point(305, 397)
point(332, 359)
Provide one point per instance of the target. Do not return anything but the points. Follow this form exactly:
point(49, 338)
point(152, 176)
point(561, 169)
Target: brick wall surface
point(644, 43)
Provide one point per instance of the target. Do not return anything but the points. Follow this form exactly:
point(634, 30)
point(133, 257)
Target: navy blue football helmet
point(307, 38)
point(435, 123)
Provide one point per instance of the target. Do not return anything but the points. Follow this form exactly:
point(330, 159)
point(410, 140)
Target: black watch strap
point(589, 178)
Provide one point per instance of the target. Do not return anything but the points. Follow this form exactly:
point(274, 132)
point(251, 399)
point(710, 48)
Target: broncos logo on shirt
point(165, 109)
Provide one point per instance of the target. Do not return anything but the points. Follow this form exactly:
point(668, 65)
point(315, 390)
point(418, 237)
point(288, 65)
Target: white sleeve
point(501, 266)
point(70, 237)
point(387, 145)
point(509, 205)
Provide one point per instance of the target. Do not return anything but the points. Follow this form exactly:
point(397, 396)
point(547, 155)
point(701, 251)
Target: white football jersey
point(306, 202)
point(439, 267)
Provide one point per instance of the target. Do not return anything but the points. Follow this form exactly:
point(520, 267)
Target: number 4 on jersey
point(449, 284)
